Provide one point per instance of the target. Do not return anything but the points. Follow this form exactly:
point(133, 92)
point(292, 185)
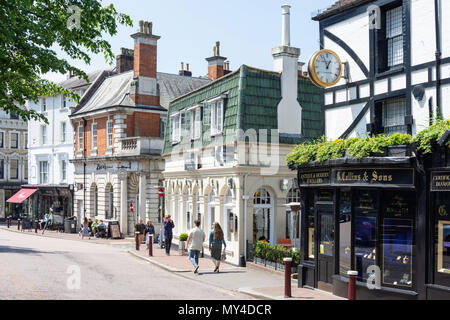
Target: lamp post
point(295, 208)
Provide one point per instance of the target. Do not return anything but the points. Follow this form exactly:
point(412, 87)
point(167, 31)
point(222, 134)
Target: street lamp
point(295, 208)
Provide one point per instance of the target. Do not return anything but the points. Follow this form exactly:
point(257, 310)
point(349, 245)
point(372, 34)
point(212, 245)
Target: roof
point(338, 7)
point(114, 91)
point(77, 82)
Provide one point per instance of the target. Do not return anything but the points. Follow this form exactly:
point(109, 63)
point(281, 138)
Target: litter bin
point(70, 225)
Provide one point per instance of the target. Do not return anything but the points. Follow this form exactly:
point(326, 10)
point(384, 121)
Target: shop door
point(325, 239)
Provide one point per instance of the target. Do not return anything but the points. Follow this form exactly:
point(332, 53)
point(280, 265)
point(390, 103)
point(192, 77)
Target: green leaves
point(29, 32)
point(428, 137)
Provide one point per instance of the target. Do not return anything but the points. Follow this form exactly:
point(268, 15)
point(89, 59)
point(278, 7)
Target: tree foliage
point(30, 29)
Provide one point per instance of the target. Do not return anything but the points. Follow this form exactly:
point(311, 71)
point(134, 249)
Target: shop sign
point(373, 176)
point(440, 181)
point(314, 178)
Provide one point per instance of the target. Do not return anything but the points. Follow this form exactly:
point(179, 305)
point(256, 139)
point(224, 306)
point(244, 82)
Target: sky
point(247, 31)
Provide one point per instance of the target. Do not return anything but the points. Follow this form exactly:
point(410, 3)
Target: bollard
point(18, 224)
point(287, 277)
point(8, 222)
point(137, 233)
point(150, 245)
point(352, 284)
point(35, 226)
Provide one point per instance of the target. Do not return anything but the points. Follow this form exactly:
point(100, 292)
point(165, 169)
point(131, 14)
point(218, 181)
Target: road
point(34, 267)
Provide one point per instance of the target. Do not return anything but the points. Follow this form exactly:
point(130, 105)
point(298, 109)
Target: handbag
point(224, 256)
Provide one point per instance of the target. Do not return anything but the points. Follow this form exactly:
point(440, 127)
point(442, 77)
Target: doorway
point(325, 245)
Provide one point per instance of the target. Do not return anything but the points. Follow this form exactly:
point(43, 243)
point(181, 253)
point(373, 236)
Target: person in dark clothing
point(168, 226)
point(149, 229)
point(140, 227)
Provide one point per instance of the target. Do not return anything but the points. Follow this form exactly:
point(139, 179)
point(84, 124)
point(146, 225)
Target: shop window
point(325, 195)
point(310, 225)
point(326, 235)
point(398, 238)
point(345, 232)
point(442, 214)
point(366, 209)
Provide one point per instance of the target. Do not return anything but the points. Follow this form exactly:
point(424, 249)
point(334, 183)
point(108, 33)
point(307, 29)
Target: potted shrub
point(183, 238)
point(270, 257)
point(260, 252)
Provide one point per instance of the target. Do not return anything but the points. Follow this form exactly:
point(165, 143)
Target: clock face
point(326, 68)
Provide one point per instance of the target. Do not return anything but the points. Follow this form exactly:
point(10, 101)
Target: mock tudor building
point(225, 147)
point(119, 128)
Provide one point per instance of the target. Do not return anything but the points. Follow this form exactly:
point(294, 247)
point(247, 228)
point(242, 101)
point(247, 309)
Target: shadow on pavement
point(9, 249)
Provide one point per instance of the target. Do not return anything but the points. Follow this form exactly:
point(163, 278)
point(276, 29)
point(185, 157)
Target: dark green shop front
point(365, 216)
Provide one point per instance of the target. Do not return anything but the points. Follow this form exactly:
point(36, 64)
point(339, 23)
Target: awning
point(22, 195)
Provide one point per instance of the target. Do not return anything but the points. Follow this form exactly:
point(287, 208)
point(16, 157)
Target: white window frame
point(63, 131)
point(2, 139)
point(94, 137)
point(43, 135)
point(109, 135)
point(10, 139)
point(217, 115)
point(195, 122)
point(4, 164)
point(42, 173)
point(43, 104)
point(25, 169)
point(80, 138)
point(9, 169)
point(176, 132)
point(63, 169)
point(63, 102)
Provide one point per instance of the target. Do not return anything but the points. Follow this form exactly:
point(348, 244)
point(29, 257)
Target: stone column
point(123, 218)
point(142, 196)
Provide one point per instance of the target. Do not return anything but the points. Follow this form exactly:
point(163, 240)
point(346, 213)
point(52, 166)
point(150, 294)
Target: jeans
point(168, 243)
point(193, 256)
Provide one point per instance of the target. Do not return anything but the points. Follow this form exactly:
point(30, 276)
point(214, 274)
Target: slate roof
point(338, 7)
point(114, 91)
point(252, 99)
point(79, 83)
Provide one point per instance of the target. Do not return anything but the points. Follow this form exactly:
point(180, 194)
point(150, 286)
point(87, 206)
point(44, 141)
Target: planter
point(399, 151)
point(182, 248)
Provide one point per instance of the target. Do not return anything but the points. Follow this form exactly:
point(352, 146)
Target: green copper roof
point(252, 97)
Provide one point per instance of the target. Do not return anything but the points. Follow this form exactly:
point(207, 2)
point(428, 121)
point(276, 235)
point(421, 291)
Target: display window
point(366, 209)
point(398, 238)
point(345, 232)
point(441, 212)
point(310, 225)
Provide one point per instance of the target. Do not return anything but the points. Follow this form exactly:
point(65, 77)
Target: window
point(14, 169)
point(229, 216)
point(25, 140)
point(216, 117)
point(441, 212)
point(109, 193)
point(310, 225)
point(196, 124)
point(2, 168)
point(63, 132)
point(25, 174)
point(13, 116)
point(14, 140)
point(2, 139)
point(63, 170)
point(162, 128)
point(43, 171)
point(94, 136)
point(43, 134)
point(109, 133)
point(63, 102)
point(394, 36)
point(43, 104)
point(176, 128)
point(345, 232)
point(394, 112)
point(80, 138)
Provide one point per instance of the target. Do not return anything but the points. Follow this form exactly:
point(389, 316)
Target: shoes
point(216, 269)
point(196, 269)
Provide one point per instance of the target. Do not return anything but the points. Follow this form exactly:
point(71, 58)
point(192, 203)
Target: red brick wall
point(143, 124)
point(215, 72)
point(145, 99)
point(145, 56)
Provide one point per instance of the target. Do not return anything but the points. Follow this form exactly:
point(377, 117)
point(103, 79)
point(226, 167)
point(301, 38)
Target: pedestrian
point(149, 229)
point(140, 227)
point(216, 239)
point(168, 226)
point(85, 229)
point(195, 244)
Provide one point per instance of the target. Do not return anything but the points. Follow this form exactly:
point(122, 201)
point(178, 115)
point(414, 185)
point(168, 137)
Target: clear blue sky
point(247, 31)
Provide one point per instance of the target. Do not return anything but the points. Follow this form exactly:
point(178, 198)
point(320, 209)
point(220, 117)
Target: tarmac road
point(34, 267)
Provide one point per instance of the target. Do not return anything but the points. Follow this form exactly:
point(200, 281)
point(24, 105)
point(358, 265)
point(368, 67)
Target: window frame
point(109, 135)
point(63, 128)
point(63, 169)
point(10, 162)
point(217, 107)
point(176, 131)
point(11, 133)
point(94, 137)
point(42, 173)
point(43, 134)
point(195, 124)
point(43, 104)
point(80, 138)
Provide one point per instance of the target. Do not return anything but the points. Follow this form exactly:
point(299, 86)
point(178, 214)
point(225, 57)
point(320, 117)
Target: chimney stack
point(286, 62)
point(125, 60)
point(216, 64)
point(186, 72)
point(145, 63)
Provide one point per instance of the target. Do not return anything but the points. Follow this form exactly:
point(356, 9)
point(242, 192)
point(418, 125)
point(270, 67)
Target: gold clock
point(325, 68)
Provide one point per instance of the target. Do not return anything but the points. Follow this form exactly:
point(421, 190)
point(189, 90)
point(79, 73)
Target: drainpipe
point(245, 198)
point(84, 166)
point(437, 19)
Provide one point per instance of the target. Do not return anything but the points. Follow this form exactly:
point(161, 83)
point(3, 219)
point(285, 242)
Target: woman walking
point(85, 229)
point(216, 240)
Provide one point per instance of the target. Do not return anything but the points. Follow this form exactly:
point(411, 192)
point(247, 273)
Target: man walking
point(168, 226)
point(140, 227)
point(195, 244)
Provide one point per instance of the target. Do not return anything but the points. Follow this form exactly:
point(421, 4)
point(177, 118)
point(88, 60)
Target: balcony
point(136, 146)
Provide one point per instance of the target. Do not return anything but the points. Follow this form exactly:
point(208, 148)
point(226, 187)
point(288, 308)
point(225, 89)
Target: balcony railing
point(135, 146)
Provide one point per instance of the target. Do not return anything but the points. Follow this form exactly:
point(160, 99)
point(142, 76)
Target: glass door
point(325, 239)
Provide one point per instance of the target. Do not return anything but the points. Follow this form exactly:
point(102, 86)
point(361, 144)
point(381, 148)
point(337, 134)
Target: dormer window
point(196, 122)
point(176, 127)
point(216, 116)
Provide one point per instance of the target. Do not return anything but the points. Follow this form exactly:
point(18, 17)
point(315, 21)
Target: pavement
point(254, 281)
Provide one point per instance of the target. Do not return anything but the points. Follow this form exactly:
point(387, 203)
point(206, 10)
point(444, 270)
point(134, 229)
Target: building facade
point(224, 150)
point(381, 216)
point(119, 127)
point(13, 162)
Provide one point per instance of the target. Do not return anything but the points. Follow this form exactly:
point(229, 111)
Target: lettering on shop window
point(373, 176)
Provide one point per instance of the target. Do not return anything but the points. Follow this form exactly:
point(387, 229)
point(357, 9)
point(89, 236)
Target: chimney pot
point(187, 66)
point(141, 26)
point(286, 25)
point(182, 66)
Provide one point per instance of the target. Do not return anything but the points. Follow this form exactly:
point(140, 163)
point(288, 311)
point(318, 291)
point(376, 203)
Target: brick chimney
point(145, 62)
point(186, 72)
point(125, 60)
point(216, 64)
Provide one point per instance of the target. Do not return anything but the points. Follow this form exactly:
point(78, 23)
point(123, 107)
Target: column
point(123, 203)
point(142, 196)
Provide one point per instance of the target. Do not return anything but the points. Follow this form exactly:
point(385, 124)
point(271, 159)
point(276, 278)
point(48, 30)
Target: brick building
point(119, 127)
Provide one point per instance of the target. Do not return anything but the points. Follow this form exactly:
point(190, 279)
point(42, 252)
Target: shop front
point(366, 216)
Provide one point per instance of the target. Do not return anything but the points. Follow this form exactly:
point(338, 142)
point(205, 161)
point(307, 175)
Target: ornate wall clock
point(325, 68)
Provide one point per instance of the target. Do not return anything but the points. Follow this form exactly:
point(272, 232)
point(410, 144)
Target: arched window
point(211, 208)
point(262, 216)
point(228, 221)
point(261, 197)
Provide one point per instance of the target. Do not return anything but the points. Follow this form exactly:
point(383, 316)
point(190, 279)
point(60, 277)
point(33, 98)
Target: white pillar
point(286, 25)
point(142, 196)
point(123, 203)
